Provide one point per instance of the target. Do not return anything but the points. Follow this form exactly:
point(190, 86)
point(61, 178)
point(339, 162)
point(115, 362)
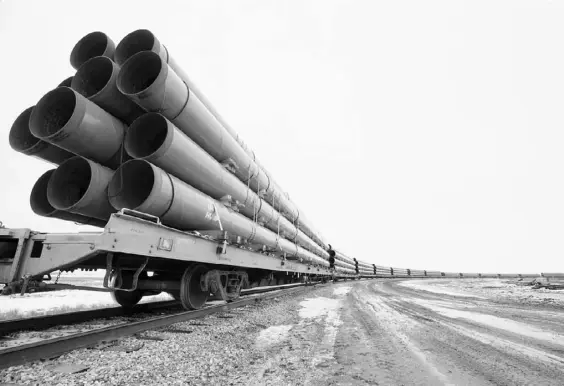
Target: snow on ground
point(494, 321)
point(318, 307)
point(497, 289)
point(53, 302)
point(272, 335)
point(342, 290)
point(436, 286)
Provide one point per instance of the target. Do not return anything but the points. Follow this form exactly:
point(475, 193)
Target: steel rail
point(50, 348)
point(43, 322)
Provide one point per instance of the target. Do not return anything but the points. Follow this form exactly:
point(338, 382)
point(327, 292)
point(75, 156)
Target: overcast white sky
point(420, 134)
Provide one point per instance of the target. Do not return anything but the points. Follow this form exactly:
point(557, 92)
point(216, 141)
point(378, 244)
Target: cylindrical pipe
point(141, 186)
point(151, 83)
point(339, 263)
point(40, 204)
point(66, 119)
point(154, 138)
point(96, 80)
point(22, 141)
point(345, 270)
point(144, 40)
point(80, 186)
point(340, 256)
point(383, 270)
point(91, 45)
point(66, 83)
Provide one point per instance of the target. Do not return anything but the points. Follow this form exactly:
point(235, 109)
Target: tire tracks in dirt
point(467, 352)
point(377, 332)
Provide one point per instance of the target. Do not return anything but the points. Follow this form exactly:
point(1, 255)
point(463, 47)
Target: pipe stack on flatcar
point(131, 130)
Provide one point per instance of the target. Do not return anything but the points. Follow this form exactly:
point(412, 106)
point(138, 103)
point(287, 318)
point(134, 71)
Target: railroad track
point(39, 323)
point(54, 347)
point(68, 318)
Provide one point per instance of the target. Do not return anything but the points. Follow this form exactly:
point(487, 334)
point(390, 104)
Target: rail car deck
point(26, 253)
point(134, 243)
point(188, 265)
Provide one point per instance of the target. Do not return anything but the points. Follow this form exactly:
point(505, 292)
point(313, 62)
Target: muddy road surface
point(384, 333)
point(369, 332)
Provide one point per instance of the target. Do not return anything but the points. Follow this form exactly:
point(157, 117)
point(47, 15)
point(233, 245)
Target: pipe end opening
point(52, 112)
point(92, 45)
point(20, 137)
point(38, 198)
point(69, 183)
point(137, 41)
point(139, 72)
point(93, 76)
point(131, 184)
point(146, 135)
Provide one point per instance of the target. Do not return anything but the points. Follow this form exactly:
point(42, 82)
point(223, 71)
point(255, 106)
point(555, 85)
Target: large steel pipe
point(68, 120)
point(345, 270)
point(343, 264)
point(340, 256)
point(96, 80)
point(150, 82)
point(40, 204)
point(144, 40)
point(91, 45)
point(22, 141)
point(141, 186)
point(400, 271)
point(80, 186)
point(382, 270)
point(154, 138)
point(66, 83)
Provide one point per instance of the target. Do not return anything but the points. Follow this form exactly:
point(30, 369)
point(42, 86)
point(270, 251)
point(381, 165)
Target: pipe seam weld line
point(171, 197)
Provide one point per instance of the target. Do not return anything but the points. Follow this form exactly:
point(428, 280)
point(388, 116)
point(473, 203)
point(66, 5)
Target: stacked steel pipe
point(130, 130)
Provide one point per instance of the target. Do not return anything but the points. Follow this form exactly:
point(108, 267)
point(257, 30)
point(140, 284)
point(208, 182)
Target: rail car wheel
point(126, 299)
point(192, 296)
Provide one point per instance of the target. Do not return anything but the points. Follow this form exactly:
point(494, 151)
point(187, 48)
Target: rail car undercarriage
point(190, 266)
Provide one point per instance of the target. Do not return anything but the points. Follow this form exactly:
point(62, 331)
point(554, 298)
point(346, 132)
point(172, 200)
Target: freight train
point(140, 152)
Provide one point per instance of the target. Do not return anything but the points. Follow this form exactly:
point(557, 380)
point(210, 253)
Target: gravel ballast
point(225, 348)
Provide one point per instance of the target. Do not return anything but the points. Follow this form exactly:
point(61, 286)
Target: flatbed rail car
point(188, 265)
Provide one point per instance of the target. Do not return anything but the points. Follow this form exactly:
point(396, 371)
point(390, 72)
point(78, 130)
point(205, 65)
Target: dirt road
point(382, 333)
point(369, 332)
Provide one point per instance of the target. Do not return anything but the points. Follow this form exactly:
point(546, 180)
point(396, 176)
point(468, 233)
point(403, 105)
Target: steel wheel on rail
point(126, 299)
point(176, 293)
point(192, 296)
